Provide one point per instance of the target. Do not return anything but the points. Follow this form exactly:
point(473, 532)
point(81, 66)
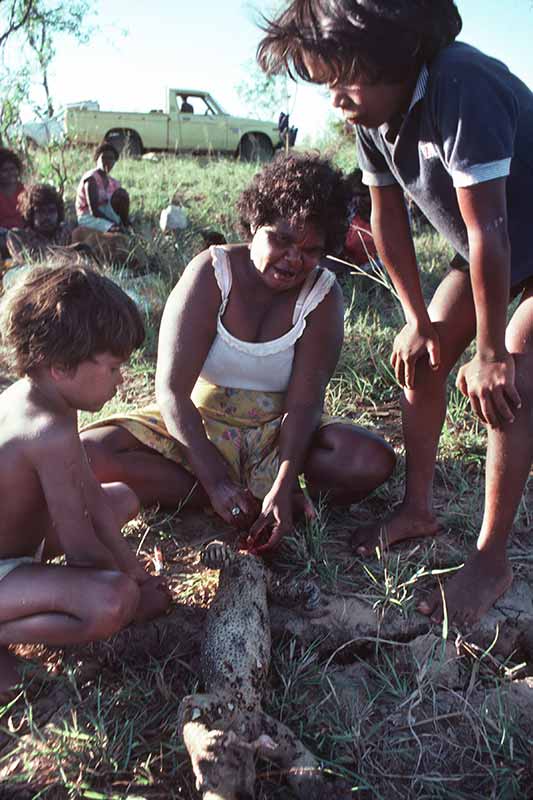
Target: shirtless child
point(69, 331)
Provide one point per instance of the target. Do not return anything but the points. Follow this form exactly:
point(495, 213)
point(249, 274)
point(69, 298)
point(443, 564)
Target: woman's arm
point(488, 380)
point(316, 356)
point(188, 328)
point(392, 235)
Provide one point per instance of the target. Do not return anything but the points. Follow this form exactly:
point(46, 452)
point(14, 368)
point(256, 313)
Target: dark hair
point(298, 188)
point(9, 155)
point(380, 40)
point(40, 194)
point(105, 147)
point(67, 314)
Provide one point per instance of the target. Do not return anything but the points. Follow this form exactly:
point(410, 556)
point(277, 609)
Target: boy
point(452, 128)
point(69, 331)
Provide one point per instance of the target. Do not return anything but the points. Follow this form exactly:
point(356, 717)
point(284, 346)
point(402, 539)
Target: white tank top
point(263, 366)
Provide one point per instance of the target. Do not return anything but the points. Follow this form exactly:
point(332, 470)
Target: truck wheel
point(128, 143)
point(255, 147)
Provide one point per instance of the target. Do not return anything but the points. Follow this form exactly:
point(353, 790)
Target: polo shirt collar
point(391, 129)
point(421, 86)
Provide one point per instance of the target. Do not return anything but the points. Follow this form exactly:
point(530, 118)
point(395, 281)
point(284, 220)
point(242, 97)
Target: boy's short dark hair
point(106, 147)
point(382, 41)
point(298, 188)
point(10, 155)
point(40, 194)
point(67, 314)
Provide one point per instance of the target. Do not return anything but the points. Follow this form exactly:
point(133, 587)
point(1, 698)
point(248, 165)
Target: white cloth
point(263, 366)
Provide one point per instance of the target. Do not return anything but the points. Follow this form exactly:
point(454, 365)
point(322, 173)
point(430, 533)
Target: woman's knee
point(374, 462)
point(114, 603)
point(363, 458)
point(125, 502)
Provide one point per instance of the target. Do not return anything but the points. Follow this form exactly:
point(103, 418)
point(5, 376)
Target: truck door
point(201, 128)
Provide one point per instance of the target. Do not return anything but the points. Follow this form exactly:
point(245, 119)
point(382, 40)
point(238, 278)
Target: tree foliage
point(264, 95)
point(29, 30)
point(14, 15)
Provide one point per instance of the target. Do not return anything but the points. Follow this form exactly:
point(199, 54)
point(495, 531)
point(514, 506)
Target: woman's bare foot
point(9, 675)
point(472, 591)
point(403, 524)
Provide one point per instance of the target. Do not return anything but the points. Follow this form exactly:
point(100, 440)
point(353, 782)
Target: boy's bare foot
point(472, 591)
point(404, 524)
point(9, 675)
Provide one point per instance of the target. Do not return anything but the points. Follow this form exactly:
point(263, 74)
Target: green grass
point(99, 722)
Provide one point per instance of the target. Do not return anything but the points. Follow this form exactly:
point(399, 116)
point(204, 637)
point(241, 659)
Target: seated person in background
point(249, 340)
point(69, 331)
point(101, 203)
point(11, 188)
point(186, 107)
point(43, 215)
point(359, 245)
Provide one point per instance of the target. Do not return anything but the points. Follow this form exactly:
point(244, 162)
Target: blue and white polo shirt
point(470, 121)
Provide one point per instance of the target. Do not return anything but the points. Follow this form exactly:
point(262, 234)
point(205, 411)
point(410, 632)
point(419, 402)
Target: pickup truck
point(193, 121)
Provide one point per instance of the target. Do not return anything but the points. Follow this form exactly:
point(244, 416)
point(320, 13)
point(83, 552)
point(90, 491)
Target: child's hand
point(414, 342)
point(490, 386)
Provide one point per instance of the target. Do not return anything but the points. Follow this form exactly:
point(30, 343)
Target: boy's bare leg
point(487, 573)
point(59, 606)
point(423, 410)
point(116, 455)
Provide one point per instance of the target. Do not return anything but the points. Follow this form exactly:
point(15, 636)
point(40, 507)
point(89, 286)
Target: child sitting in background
point(43, 215)
point(101, 203)
point(10, 190)
point(69, 330)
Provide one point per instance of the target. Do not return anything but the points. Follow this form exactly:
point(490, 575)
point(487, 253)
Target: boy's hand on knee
point(490, 386)
point(414, 341)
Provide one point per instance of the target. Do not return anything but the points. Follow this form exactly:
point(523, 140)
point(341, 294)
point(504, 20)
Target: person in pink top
point(101, 203)
point(11, 188)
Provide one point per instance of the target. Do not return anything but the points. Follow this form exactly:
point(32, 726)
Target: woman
point(249, 339)
point(101, 203)
point(10, 190)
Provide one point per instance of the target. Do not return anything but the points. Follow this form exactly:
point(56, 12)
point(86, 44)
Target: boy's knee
point(117, 601)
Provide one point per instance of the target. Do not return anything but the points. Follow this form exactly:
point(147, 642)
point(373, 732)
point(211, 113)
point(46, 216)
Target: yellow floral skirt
point(243, 424)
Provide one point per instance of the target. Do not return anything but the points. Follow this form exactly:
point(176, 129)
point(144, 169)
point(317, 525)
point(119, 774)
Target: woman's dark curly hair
point(105, 147)
point(298, 189)
point(40, 194)
point(383, 41)
point(10, 155)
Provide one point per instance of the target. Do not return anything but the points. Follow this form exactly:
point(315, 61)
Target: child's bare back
point(69, 330)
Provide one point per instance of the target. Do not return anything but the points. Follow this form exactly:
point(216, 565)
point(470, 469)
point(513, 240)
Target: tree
point(42, 27)
point(14, 15)
point(264, 95)
point(32, 26)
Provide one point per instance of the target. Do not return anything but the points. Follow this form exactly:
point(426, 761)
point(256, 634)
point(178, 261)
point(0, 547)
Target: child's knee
point(116, 600)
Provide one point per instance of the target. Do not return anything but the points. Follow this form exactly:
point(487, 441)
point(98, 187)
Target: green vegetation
point(398, 711)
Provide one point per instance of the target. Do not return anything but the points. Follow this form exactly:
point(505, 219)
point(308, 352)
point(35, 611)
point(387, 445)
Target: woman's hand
point(236, 506)
point(274, 521)
point(490, 386)
point(414, 341)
